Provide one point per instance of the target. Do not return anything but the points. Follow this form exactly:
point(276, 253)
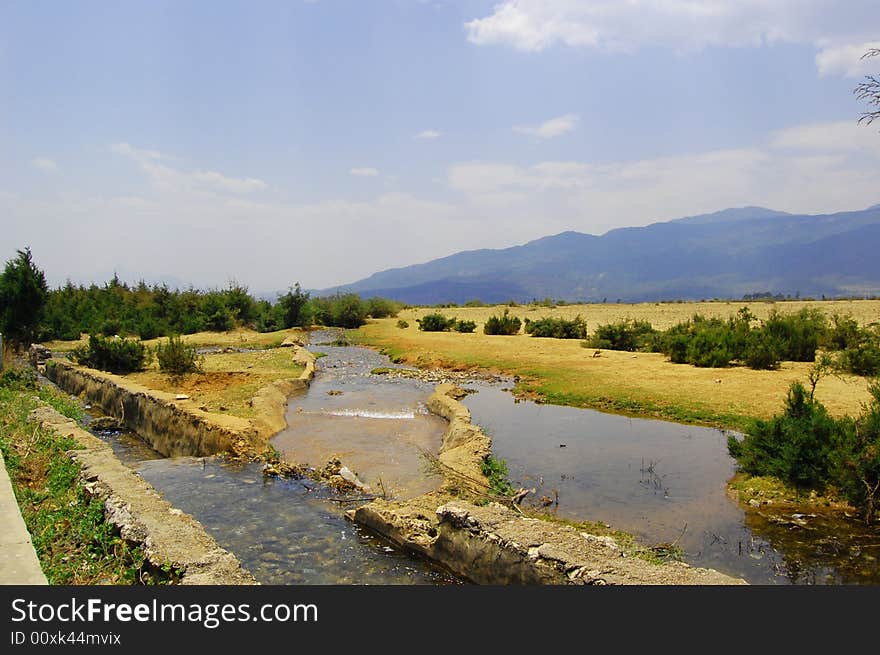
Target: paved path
point(18, 561)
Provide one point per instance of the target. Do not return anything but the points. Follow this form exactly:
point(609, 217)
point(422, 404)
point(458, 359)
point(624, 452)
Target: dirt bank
point(170, 539)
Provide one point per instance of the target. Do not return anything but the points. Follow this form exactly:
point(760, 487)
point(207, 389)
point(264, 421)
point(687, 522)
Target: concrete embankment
point(18, 560)
point(168, 537)
point(494, 544)
point(176, 427)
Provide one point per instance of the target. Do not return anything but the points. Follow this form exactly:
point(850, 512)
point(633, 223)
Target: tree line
point(30, 311)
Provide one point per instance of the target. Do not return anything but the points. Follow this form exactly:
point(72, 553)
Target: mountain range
point(726, 254)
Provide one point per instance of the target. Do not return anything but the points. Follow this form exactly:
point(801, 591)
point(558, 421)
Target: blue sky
point(321, 141)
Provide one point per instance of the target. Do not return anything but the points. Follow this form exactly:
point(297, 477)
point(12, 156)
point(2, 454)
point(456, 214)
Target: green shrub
point(629, 335)
point(795, 446)
point(856, 460)
point(402, 324)
point(382, 307)
point(176, 357)
point(504, 324)
point(218, 317)
point(863, 358)
point(292, 310)
point(465, 326)
point(798, 334)
point(435, 322)
point(761, 351)
point(557, 328)
point(112, 354)
point(342, 310)
point(710, 348)
point(495, 471)
point(843, 333)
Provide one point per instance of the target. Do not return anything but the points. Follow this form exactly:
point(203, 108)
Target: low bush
point(807, 448)
point(862, 358)
point(176, 357)
point(402, 324)
point(504, 324)
point(761, 351)
point(496, 472)
point(557, 328)
point(795, 446)
point(465, 326)
point(382, 307)
point(112, 354)
point(629, 334)
point(435, 322)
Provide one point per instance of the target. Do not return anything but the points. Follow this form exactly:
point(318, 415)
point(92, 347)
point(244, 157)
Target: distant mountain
point(726, 254)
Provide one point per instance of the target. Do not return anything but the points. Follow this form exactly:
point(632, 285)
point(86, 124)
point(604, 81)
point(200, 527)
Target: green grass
point(74, 542)
point(496, 472)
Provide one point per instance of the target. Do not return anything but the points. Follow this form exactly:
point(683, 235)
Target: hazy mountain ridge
point(723, 254)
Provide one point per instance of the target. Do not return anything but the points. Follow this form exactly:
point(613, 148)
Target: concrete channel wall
point(167, 535)
point(177, 427)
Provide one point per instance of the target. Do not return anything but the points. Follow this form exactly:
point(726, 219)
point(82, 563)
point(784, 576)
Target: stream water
point(376, 425)
point(663, 482)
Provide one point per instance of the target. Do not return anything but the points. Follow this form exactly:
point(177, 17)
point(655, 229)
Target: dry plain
point(563, 371)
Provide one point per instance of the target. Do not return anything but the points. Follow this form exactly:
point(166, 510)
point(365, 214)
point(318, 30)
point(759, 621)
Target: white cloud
point(841, 136)
point(812, 168)
point(428, 134)
point(551, 128)
point(45, 165)
point(165, 178)
point(364, 172)
point(682, 25)
point(847, 60)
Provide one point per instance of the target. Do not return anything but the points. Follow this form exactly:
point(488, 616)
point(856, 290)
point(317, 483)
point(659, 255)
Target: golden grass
point(228, 380)
point(563, 372)
point(661, 315)
point(238, 338)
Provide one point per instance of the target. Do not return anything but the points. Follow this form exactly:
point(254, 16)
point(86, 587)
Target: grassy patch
point(227, 381)
point(656, 554)
point(73, 541)
point(768, 490)
point(496, 472)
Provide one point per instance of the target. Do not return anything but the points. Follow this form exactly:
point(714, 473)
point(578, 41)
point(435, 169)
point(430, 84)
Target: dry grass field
point(563, 372)
point(228, 380)
point(238, 338)
point(660, 315)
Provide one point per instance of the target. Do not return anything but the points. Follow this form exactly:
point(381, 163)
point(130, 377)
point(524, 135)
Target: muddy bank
point(494, 544)
point(168, 537)
point(173, 425)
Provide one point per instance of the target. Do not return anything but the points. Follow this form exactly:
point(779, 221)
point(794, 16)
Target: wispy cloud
point(167, 178)
point(428, 134)
point(809, 168)
point(364, 172)
point(682, 25)
point(44, 164)
point(551, 128)
point(847, 60)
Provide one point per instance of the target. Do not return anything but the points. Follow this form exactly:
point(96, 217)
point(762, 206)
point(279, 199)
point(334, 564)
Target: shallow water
point(282, 531)
point(377, 426)
point(663, 482)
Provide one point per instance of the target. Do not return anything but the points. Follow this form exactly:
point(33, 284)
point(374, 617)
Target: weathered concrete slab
point(167, 535)
point(18, 560)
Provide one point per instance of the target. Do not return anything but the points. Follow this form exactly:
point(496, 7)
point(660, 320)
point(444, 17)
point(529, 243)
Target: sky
point(321, 141)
